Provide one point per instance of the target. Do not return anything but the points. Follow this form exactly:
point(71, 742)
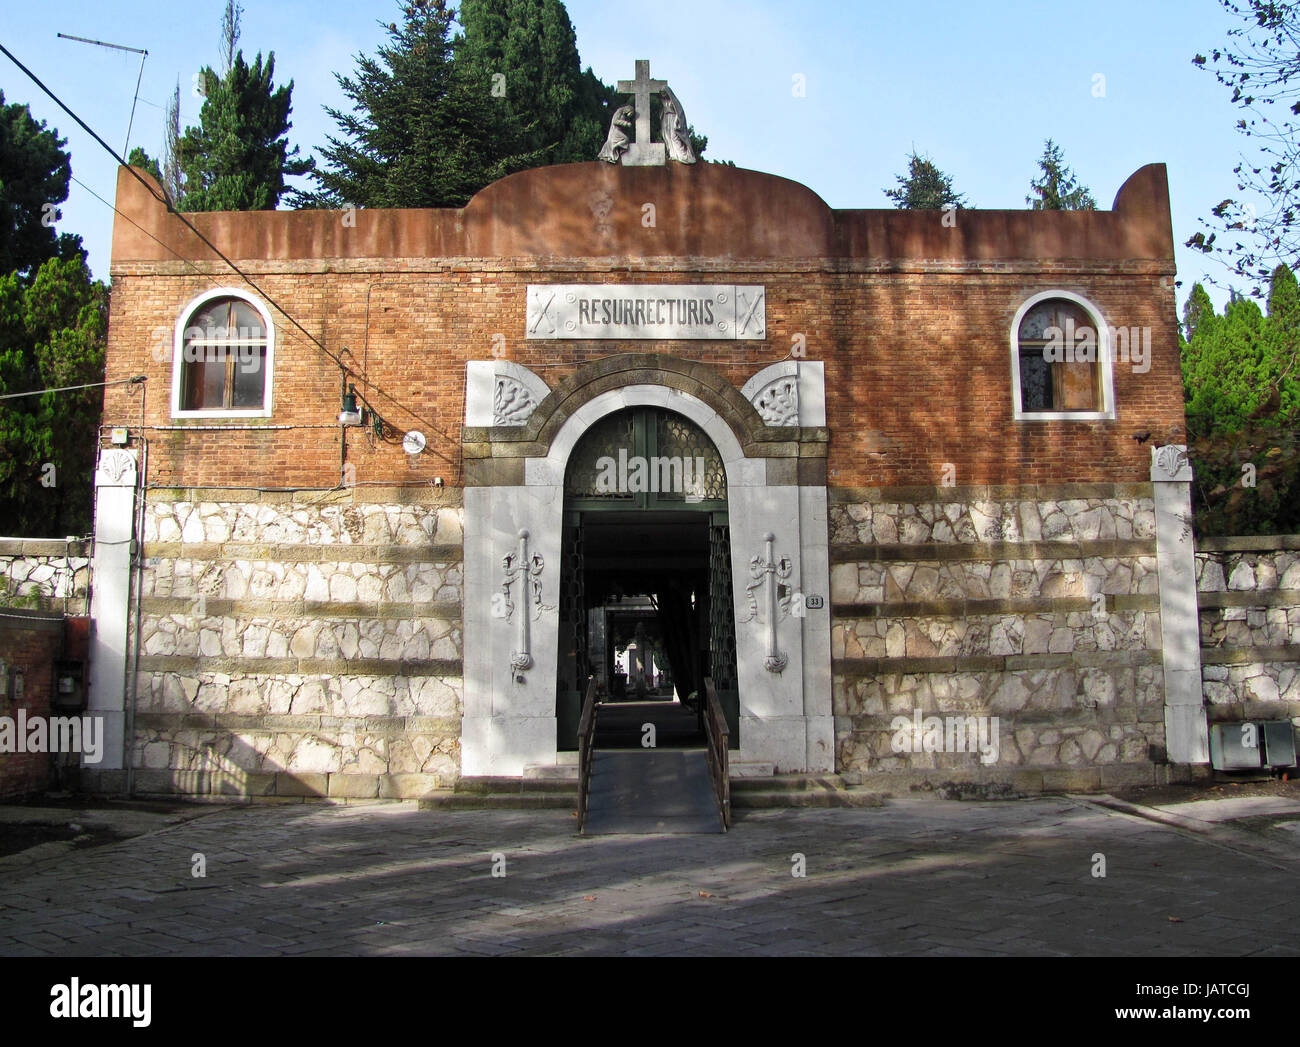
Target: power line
point(171, 210)
point(71, 388)
point(347, 370)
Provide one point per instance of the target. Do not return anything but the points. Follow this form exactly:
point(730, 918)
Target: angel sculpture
point(618, 141)
point(672, 128)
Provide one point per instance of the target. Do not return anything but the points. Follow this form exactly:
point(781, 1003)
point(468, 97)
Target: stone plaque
point(664, 312)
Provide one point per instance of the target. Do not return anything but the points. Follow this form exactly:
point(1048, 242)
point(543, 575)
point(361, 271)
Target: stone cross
point(643, 152)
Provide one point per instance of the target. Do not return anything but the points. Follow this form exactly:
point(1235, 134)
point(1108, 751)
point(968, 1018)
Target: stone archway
point(514, 504)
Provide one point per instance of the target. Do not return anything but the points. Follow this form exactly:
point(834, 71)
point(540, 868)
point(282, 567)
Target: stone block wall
point(47, 575)
point(1038, 605)
point(300, 645)
point(1249, 596)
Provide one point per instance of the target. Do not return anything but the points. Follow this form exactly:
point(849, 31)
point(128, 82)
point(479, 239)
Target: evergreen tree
point(924, 188)
point(53, 331)
point(238, 157)
point(230, 35)
point(1058, 189)
point(173, 180)
point(524, 53)
point(34, 175)
point(168, 172)
point(425, 131)
point(137, 157)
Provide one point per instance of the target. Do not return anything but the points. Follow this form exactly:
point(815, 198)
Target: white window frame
point(178, 354)
point(1107, 412)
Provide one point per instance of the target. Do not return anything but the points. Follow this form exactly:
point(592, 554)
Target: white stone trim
point(1186, 733)
point(178, 349)
point(116, 475)
point(1107, 412)
point(786, 718)
point(481, 378)
point(810, 376)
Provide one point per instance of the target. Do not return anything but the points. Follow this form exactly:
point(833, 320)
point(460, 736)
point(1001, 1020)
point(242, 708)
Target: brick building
point(921, 480)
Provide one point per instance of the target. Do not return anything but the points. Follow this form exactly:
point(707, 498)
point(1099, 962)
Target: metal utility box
point(1279, 744)
point(1236, 747)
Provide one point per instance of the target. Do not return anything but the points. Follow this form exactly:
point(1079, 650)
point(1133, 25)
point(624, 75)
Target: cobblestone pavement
point(917, 876)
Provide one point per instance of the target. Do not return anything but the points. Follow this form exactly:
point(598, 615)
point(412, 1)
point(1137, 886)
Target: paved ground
point(918, 876)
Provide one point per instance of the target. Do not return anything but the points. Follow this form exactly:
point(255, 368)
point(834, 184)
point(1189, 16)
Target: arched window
point(1060, 359)
point(224, 344)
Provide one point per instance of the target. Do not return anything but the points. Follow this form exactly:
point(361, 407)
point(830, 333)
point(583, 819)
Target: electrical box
point(1236, 747)
point(1279, 744)
point(1252, 745)
point(69, 685)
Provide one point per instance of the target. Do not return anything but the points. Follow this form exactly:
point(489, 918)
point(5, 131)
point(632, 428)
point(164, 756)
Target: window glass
point(1058, 346)
point(224, 358)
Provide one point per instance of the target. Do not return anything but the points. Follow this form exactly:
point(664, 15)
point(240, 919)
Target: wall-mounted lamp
point(351, 414)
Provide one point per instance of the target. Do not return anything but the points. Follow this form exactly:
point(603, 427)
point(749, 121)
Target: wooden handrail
point(719, 737)
point(586, 735)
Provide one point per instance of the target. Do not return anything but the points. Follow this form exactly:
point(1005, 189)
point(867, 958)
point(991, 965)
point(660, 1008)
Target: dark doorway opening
point(646, 595)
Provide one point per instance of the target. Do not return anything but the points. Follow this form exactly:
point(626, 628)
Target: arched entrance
point(645, 580)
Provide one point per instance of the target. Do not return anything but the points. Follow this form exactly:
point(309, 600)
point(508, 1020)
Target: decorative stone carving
point(766, 571)
point(778, 403)
point(672, 129)
point(642, 151)
point(519, 567)
point(618, 141)
point(512, 402)
point(1170, 464)
point(116, 468)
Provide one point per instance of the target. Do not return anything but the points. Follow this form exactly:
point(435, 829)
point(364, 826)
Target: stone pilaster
point(115, 483)
point(1186, 735)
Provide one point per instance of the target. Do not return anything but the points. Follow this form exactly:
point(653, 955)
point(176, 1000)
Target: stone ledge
point(57, 547)
point(332, 553)
point(423, 494)
point(276, 723)
point(190, 664)
point(969, 608)
point(857, 668)
point(280, 786)
point(1270, 543)
point(1250, 655)
point(989, 493)
point(1220, 600)
point(214, 608)
point(30, 619)
point(1119, 548)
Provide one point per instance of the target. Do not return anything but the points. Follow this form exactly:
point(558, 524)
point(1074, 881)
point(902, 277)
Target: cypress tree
point(424, 131)
point(924, 188)
point(238, 157)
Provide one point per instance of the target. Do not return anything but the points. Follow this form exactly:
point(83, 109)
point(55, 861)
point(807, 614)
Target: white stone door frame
point(510, 710)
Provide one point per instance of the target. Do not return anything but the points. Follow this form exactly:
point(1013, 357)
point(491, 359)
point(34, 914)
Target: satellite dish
point(414, 442)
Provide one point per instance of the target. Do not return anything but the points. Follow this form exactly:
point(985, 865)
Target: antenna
point(118, 47)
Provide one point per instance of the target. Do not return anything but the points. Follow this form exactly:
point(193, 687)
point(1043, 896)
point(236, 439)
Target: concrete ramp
point(641, 791)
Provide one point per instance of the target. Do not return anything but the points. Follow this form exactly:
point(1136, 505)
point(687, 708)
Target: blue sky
point(975, 84)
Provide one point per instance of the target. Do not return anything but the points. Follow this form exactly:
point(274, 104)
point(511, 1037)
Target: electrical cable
point(72, 388)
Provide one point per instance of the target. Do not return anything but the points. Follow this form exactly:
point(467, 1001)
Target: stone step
point(792, 783)
point(450, 801)
point(516, 786)
point(748, 799)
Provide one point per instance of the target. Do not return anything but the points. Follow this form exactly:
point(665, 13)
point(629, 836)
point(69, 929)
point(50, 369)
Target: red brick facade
point(30, 646)
point(911, 316)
